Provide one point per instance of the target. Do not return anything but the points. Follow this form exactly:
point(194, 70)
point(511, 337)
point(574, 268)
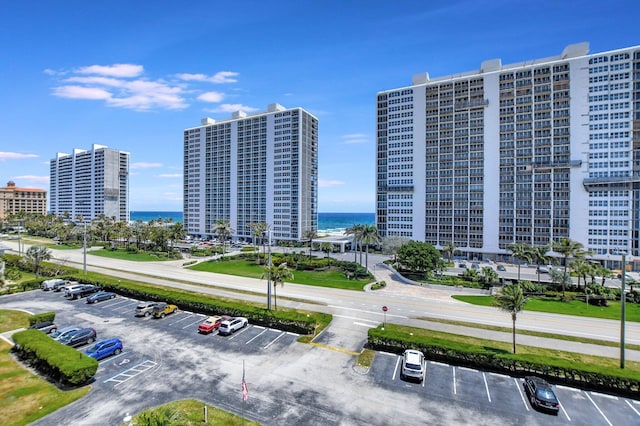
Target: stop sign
point(385, 309)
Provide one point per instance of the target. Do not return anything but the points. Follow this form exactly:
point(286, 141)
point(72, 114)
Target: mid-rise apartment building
point(523, 153)
point(15, 200)
point(253, 168)
point(90, 183)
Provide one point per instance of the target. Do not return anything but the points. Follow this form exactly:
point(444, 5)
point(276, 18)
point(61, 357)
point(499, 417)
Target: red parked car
point(211, 323)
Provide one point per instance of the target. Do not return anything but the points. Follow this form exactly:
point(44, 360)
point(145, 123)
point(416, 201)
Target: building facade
point(14, 200)
point(90, 183)
point(522, 153)
point(257, 168)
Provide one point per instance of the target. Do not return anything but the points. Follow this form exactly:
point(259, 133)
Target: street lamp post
point(269, 268)
point(622, 308)
point(84, 249)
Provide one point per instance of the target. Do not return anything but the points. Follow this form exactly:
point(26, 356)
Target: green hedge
point(284, 319)
point(595, 377)
point(45, 316)
point(61, 363)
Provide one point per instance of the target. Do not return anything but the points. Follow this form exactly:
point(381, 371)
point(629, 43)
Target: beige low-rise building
point(14, 199)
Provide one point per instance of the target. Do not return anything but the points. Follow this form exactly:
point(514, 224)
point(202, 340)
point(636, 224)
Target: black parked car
point(82, 291)
point(79, 337)
point(541, 394)
point(100, 296)
point(46, 326)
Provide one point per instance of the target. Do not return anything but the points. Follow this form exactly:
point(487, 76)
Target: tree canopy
point(419, 256)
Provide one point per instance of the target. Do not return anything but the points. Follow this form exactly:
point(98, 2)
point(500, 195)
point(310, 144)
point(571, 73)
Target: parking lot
point(290, 383)
point(497, 393)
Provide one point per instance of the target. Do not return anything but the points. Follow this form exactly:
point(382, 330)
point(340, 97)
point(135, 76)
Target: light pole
point(622, 308)
point(268, 231)
point(84, 249)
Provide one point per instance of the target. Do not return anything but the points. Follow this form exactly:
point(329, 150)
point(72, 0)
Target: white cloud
point(143, 165)
point(115, 70)
point(233, 108)
point(170, 175)
point(79, 92)
point(354, 138)
point(219, 77)
point(32, 178)
point(15, 156)
point(323, 183)
point(211, 97)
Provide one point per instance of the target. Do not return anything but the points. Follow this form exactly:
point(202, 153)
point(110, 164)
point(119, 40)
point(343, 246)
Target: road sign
point(385, 309)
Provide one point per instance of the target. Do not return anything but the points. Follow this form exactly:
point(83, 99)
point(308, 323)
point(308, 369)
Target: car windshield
point(93, 349)
point(412, 366)
point(546, 394)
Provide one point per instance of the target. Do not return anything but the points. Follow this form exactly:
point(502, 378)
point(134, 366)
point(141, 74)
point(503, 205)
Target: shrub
point(45, 316)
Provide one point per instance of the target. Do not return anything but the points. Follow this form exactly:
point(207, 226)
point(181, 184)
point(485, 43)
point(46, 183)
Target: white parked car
point(230, 326)
point(413, 365)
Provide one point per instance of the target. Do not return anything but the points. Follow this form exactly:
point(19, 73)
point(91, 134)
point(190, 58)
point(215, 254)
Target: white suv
point(413, 365)
point(233, 324)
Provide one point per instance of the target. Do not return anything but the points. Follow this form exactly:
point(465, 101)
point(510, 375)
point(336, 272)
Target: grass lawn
point(333, 278)
point(575, 307)
point(191, 413)
point(125, 255)
point(12, 320)
point(24, 396)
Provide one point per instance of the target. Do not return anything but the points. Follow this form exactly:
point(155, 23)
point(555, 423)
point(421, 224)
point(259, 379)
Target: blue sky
point(133, 75)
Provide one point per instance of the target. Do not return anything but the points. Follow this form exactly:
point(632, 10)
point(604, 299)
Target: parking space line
point(632, 407)
point(504, 376)
point(181, 319)
point(259, 327)
point(524, 401)
point(454, 379)
point(256, 336)
point(112, 358)
point(468, 369)
point(292, 334)
point(567, 388)
point(191, 324)
point(598, 408)
point(113, 302)
point(146, 365)
point(395, 370)
point(486, 386)
point(273, 341)
point(562, 408)
point(236, 333)
point(439, 363)
point(604, 395)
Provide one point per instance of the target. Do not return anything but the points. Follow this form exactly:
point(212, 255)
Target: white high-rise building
point(253, 168)
point(90, 183)
point(523, 153)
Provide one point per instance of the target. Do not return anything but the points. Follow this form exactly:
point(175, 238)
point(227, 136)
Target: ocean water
point(328, 223)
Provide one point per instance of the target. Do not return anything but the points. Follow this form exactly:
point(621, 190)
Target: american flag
point(245, 389)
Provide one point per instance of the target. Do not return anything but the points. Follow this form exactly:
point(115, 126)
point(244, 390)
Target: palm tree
point(369, 236)
point(581, 268)
point(511, 299)
point(356, 231)
point(522, 252)
point(327, 248)
point(38, 254)
point(568, 249)
point(309, 235)
point(223, 230)
point(277, 274)
point(540, 257)
point(257, 230)
point(449, 248)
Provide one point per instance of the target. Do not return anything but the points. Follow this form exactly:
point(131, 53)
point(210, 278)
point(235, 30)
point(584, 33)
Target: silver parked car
point(231, 325)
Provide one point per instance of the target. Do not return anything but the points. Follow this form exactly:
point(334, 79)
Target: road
point(407, 304)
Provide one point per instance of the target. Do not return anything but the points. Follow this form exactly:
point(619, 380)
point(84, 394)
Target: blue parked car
point(100, 296)
point(105, 348)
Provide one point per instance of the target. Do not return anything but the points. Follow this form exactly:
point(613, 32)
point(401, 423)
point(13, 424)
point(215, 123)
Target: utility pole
point(84, 249)
point(269, 268)
point(622, 308)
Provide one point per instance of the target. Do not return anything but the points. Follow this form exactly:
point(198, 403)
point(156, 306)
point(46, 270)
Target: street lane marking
point(632, 407)
point(367, 312)
point(524, 401)
point(486, 386)
point(356, 318)
point(598, 408)
point(364, 325)
point(256, 336)
point(333, 348)
point(273, 341)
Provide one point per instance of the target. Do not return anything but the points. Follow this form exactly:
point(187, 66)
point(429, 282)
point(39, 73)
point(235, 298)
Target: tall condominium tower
point(257, 168)
point(90, 184)
point(523, 153)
